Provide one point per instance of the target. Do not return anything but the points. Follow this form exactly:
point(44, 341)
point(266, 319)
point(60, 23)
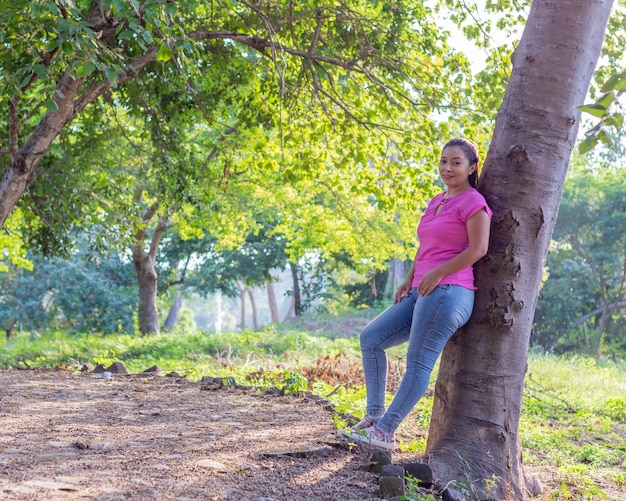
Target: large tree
point(474, 433)
point(332, 59)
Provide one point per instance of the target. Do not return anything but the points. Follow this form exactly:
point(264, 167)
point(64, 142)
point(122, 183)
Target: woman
point(435, 300)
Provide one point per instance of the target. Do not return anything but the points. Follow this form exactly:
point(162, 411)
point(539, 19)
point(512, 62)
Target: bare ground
point(64, 437)
point(148, 437)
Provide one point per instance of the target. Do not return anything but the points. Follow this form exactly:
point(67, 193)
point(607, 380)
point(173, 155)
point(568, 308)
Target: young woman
point(435, 300)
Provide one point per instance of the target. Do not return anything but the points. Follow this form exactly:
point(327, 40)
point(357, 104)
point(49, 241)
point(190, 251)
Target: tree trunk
point(219, 314)
point(297, 300)
point(146, 273)
point(172, 316)
point(147, 279)
point(9, 329)
point(603, 327)
point(398, 270)
point(24, 159)
point(242, 294)
point(291, 312)
point(473, 435)
point(255, 313)
point(271, 300)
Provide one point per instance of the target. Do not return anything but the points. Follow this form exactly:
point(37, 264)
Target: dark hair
point(470, 148)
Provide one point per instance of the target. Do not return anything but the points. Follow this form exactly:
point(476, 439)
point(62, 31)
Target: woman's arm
point(478, 227)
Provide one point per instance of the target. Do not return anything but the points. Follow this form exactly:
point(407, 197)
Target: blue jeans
point(426, 322)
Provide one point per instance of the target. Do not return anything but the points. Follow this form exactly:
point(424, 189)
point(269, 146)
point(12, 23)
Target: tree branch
point(156, 237)
point(597, 311)
point(264, 46)
point(13, 125)
point(145, 218)
point(104, 86)
point(213, 153)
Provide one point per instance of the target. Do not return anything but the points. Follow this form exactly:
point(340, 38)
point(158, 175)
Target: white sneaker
point(366, 422)
point(370, 436)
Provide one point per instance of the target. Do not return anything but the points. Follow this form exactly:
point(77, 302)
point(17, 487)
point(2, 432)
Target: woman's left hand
point(428, 282)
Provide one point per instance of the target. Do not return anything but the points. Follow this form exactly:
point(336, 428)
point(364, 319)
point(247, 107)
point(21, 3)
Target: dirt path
point(150, 437)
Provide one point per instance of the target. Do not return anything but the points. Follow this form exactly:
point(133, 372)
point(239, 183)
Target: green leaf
point(111, 75)
point(593, 109)
point(51, 105)
point(147, 36)
point(85, 69)
point(25, 81)
point(616, 120)
point(164, 53)
point(604, 138)
point(40, 69)
point(616, 82)
point(606, 100)
point(588, 144)
point(126, 35)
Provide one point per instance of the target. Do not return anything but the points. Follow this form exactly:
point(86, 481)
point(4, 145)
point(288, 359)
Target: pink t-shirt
point(444, 235)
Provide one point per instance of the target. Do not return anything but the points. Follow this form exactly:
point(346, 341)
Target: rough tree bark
point(474, 432)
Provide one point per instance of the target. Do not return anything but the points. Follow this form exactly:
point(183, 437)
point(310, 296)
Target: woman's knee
point(368, 337)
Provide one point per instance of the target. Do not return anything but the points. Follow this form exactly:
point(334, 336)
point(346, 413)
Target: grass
point(573, 421)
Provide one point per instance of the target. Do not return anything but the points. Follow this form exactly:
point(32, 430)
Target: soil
point(148, 437)
point(66, 436)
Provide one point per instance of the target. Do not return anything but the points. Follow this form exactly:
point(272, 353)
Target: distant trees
point(582, 303)
point(84, 292)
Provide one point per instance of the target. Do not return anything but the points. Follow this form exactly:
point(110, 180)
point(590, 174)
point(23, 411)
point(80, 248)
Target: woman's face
point(454, 168)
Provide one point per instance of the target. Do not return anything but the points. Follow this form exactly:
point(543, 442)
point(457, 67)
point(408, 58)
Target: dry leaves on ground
point(65, 436)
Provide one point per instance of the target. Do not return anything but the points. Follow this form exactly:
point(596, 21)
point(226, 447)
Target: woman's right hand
point(403, 291)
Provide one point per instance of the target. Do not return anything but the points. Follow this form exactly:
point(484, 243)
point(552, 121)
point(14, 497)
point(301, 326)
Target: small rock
point(533, 484)
point(80, 445)
point(213, 465)
point(173, 374)
point(117, 368)
point(420, 471)
point(88, 367)
point(392, 470)
point(154, 369)
point(391, 486)
point(379, 459)
point(99, 369)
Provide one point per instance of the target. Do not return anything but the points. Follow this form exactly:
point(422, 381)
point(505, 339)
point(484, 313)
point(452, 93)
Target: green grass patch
point(194, 354)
